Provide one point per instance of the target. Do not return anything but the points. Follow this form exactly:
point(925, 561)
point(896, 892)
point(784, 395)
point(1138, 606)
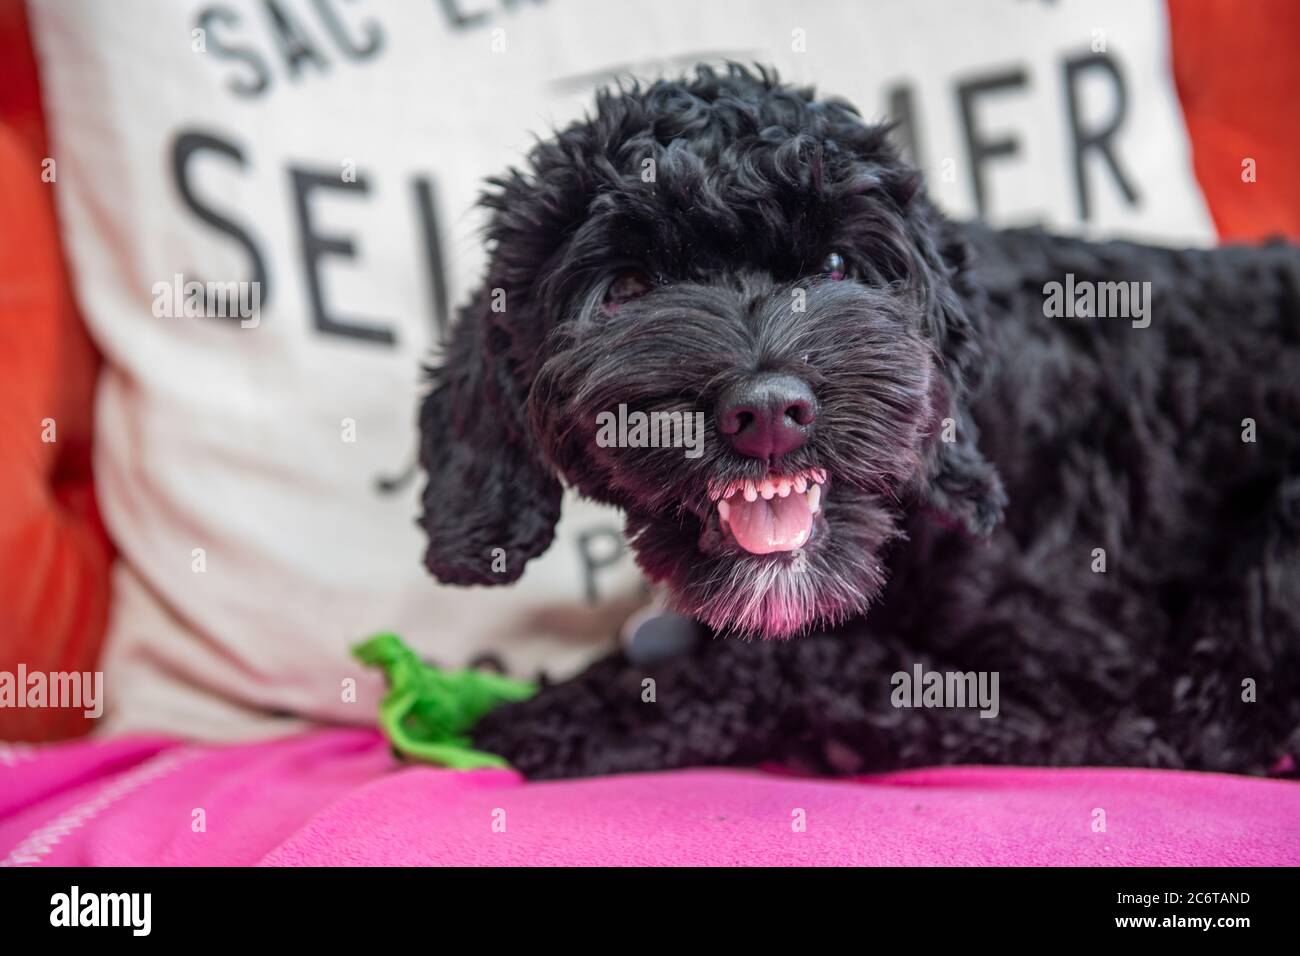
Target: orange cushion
point(1237, 76)
point(54, 554)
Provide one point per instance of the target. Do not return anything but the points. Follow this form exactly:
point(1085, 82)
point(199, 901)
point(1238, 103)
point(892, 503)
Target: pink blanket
point(338, 797)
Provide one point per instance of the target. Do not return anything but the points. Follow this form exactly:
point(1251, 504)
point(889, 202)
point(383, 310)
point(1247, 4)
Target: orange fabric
point(54, 554)
point(1237, 74)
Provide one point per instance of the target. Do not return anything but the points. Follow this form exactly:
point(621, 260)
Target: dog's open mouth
point(771, 515)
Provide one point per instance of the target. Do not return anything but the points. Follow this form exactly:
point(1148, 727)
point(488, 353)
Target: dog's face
point(725, 308)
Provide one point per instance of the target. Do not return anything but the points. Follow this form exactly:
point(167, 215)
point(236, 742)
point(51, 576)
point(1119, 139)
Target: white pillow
point(333, 149)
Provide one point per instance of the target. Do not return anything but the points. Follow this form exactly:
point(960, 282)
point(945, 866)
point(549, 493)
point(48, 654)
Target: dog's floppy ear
point(963, 485)
point(491, 503)
point(960, 483)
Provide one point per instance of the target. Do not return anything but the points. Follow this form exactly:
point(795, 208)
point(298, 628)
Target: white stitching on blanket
point(42, 841)
point(11, 755)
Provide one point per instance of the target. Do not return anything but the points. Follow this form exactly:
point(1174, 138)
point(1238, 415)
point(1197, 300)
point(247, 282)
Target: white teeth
point(808, 482)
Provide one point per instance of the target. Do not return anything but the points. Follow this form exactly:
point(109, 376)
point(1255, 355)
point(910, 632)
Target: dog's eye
point(834, 266)
point(627, 285)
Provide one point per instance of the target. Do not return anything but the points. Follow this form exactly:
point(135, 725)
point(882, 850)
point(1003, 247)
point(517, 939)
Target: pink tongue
point(764, 526)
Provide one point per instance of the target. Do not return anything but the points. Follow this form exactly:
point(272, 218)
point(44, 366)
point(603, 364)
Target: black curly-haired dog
point(906, 460)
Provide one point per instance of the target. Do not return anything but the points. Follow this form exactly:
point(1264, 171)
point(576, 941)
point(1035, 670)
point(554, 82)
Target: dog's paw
point(624, 716)
point(539, 740)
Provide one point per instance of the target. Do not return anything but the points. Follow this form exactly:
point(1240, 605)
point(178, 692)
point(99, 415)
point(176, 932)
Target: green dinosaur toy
point(427, 712)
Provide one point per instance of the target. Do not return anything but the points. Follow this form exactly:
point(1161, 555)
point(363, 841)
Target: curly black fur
point(978, 452)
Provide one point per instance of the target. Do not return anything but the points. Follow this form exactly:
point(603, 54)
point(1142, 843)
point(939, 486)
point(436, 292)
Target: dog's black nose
point(766, 415)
